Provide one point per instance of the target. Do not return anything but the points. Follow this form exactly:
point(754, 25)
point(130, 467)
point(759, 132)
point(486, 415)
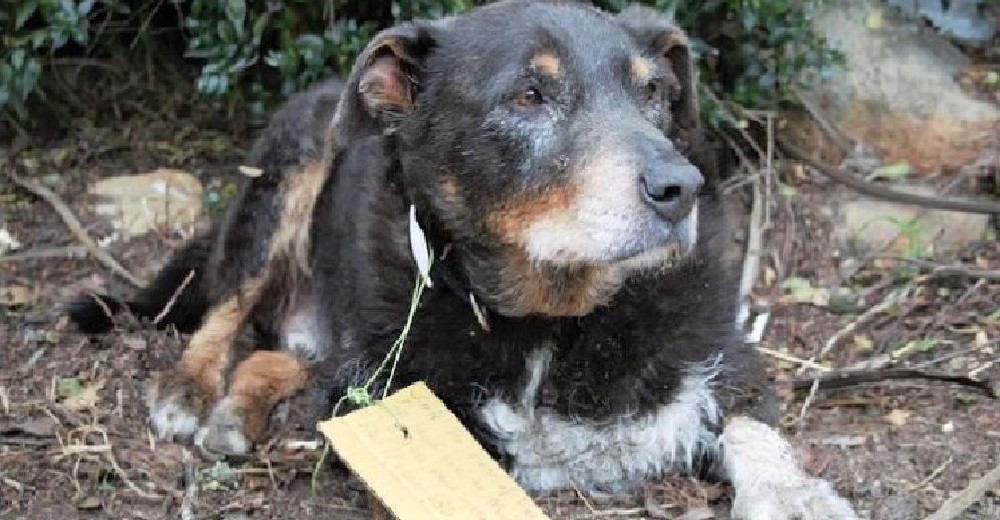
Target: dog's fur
point(583, 331)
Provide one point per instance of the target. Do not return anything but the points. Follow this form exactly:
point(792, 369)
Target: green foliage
point(58, 23)
point(752, 52)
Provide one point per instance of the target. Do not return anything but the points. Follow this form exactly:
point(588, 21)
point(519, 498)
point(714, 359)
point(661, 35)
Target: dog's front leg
point(768, 481)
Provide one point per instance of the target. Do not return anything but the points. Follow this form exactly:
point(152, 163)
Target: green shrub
point(266, 49)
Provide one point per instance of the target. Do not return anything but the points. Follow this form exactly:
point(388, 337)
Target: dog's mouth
point(663, 246)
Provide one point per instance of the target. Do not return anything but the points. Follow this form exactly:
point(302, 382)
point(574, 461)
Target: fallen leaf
point(69, 386)
point(85, 398)
point(891, 171)
point(874, 20)
point(801, 290)
point(898, 417)
point(89, 503)
point(139, 203)
point(698, 513)
point(15, 296)
point(769, 276)
point(251, 171)
point(8, 242)
point(37, 427)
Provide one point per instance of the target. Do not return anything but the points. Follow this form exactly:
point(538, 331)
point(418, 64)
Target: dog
point(529, 165)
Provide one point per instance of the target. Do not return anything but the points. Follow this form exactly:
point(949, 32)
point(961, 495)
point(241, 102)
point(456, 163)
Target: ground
point(74, 441)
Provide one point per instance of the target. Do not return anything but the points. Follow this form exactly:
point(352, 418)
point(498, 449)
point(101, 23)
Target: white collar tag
point(419, 248)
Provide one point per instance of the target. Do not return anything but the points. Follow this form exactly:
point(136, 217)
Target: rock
point(961, 19)
point(136, 204)
point(899, 92)
point(868, 225)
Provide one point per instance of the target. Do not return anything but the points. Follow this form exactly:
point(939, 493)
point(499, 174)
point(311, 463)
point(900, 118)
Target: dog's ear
point(658, 36)
point(384, 84)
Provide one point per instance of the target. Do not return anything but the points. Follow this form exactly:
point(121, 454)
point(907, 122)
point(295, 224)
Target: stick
point(46, 253)
point(173, 299)
point(77, 229)
point(869, 315)
point(875, 190)
point(851, 378)
point(970, 495)
point(805, 363)
point(191, 488)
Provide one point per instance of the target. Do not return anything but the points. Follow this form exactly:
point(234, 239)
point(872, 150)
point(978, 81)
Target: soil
point(75, 443)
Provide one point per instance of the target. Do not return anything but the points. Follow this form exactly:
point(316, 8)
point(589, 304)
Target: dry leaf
point(698, 513)
point(251, 171)
point(85, 398)
point(769, 276)
point(89, 503)
point(898, 417)
point(139, 203)
point(15, 296)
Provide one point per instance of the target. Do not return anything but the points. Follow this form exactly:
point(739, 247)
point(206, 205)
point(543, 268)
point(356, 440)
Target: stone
point(136, 204)
point(867, 225)
point(900, 93)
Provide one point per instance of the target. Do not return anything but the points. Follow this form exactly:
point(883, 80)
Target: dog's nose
point(672, 188)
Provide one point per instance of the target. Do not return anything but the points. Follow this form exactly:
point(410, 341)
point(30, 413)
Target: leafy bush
point(270, 48)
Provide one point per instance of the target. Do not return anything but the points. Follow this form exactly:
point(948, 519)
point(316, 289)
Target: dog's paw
point(174, 405)
point(223, 432)
point(798, 498)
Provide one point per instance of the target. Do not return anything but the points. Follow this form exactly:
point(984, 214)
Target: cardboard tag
point(421, 463)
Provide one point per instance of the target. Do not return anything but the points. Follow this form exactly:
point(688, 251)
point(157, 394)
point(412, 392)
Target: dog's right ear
point(385, 82)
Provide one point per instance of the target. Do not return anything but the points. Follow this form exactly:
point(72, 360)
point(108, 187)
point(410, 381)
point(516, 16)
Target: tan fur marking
point(562, 291)
point(675, 39)
point(640, 68)
point(546, 63)
point(260, 382)
point(209, 350)
point(291, 238)
point(517, 214)
point(449, 187)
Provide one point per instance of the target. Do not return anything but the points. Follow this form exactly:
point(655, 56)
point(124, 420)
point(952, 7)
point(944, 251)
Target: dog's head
point(547, 138)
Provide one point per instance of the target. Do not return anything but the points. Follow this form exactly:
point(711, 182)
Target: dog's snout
point(671, 188)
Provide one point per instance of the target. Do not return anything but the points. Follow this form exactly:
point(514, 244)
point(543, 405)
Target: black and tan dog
point(580, 320)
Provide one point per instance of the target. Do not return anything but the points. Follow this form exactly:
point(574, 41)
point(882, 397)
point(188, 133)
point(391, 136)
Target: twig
point(751, 260)
point(46, 253)
point(813, 388)
point(191, 490)
point(806, 363)
point(173, 299)
point(855, 377)
point(934, 474)
point(970, 495)
point(943, 271)
point(875, 190)
point(869, 315)
point(77, 229)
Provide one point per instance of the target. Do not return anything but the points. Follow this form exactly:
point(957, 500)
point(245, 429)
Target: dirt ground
point(74, 441)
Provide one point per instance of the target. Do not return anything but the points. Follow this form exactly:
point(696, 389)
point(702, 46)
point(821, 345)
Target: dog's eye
point(529, 97)
point(652, 90)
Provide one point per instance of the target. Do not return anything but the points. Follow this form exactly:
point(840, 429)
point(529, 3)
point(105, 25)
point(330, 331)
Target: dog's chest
point(549, 449)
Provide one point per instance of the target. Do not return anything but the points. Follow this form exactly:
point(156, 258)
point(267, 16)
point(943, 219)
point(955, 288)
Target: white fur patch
point(768, 481)
point(301, 334)
point(607, 220)
point(551, 451)
point(169, 417)
point(222, 433)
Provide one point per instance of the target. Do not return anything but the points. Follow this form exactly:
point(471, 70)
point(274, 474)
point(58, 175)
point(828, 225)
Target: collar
point(445, 271)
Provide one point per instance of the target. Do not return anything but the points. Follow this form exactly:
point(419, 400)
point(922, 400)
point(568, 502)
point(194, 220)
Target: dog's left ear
point(658, 36)
point(384, 84)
